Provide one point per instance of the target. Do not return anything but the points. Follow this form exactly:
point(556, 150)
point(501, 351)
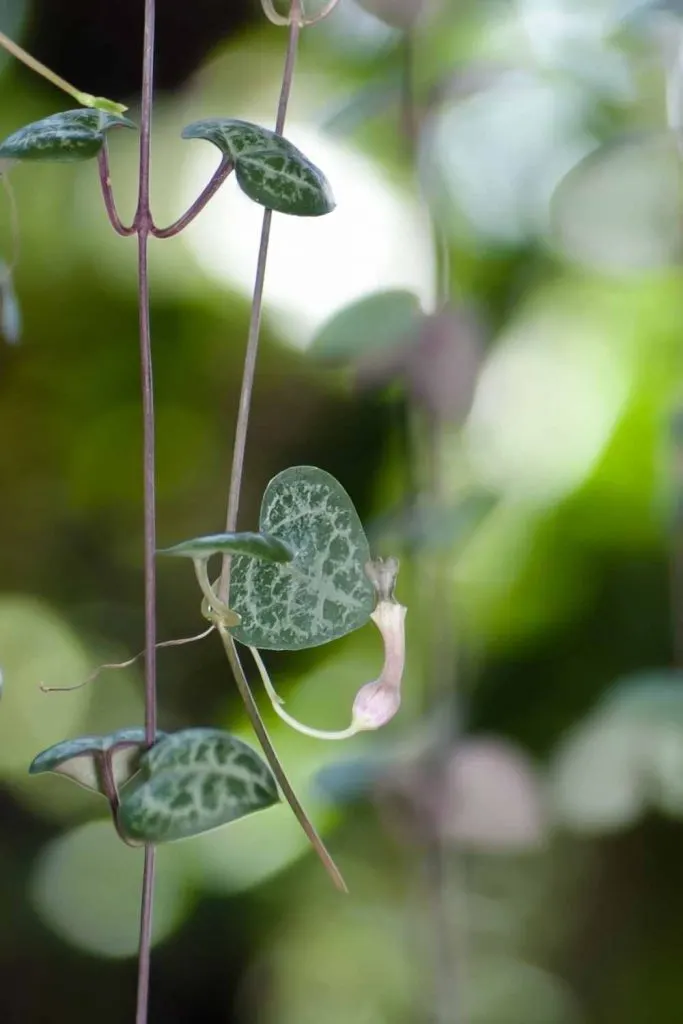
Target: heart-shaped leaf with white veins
point(87, 759)
point(324, 592)
point(191, 782)
point(66, 137)
point(269, 169)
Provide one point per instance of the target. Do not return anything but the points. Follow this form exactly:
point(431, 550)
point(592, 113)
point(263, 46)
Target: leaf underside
point(323, 593)
point(79, 759)
point(191, 782)
point(269, 169)
point(253, 545)
point(66, 137)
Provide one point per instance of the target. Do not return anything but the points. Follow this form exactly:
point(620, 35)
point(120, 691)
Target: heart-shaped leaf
point(323, 593)
point(192, 782)
point(82, 759)
point(252, 545)
point(66, 137)
point(378, 321)
point(269, 169)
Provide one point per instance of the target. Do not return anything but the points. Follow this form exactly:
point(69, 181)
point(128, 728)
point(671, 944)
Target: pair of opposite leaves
point(299, 582)
point(269, 169)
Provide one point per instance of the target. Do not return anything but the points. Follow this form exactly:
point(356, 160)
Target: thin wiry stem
point(425, 453)
point(273, 760)
point(142, 225)
point(108, 195)
point(220, 174)
point(256, 314)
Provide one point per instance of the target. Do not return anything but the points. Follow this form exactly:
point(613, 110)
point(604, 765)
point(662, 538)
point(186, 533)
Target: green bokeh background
point(562, 816)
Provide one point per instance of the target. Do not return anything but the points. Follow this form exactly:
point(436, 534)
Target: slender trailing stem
point(220, 174)
point(142, 225)
point(108, 194)
point(273, 760)
point(236, 474)
point(144, 956)
point(256, 312)
point(425, 454)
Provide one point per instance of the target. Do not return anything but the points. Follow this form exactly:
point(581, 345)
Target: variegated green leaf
point(323, 593)
point(192, 782)
point(269, 169)
point(285, 182)
point(66, 137)
point(82, 759)
point(235, 138)
point(253, 545)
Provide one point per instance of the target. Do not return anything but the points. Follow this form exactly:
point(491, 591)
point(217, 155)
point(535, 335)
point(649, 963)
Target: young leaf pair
point(268, 168)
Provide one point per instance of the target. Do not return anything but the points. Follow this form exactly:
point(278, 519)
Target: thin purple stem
point(253, 337)
point(144, 956)
point(108, 195)
point(142, 225)
point(220, 174)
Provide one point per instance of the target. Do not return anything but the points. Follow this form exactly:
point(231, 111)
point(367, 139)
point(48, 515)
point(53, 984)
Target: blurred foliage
point(551, 156)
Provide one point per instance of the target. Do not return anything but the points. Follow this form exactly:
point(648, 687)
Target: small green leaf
point(66, 137)
point(269, 169)
point(252, 545)
point(81, 759)
point(323, 593)
point(192, 782)
point(102, 103)
point(378, 321)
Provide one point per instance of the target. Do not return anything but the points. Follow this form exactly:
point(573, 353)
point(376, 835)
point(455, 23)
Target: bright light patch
point(86, 888)
point(546, 406)
point(377, 238)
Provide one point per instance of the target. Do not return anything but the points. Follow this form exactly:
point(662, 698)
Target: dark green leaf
point(268, 168)
point(235, 138)
point(378, 321)
point(252, 545)
point(191, 782)
point(324, 592)
point(285, 182)
point(81, 759)
point(66, 137)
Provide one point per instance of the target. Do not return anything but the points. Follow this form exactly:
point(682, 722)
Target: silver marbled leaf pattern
point(65, 138)
point(322, 594)
point(268, 168)
point(191, 782)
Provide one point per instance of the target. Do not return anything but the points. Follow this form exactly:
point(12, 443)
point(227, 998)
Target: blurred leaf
point(252, 545)
point(191, 782)
point(85, 887)
point(10, 312)
point(66, 137)
point(625, 758)
point(269, 169)
point(81, 759)
point(376, 322)
point(323, 593)
point(429, 527)
point(619, 208)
